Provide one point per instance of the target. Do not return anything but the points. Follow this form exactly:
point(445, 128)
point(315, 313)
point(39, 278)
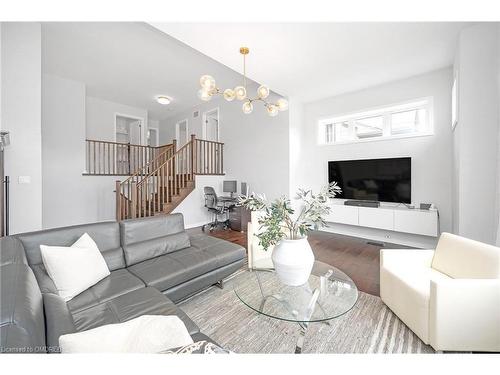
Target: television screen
point(383, 180)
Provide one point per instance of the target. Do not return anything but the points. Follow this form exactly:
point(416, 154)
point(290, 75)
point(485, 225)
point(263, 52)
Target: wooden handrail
point(115, 158)
point(167, 177)
point(125, 144)
point(143, 172)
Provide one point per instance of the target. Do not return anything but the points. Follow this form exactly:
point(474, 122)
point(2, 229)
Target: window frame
point(386, 111)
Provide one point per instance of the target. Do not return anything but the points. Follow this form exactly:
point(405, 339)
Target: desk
point(238, 218)
point(226, 200)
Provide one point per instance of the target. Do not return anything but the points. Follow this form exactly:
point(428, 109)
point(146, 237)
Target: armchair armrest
point(390, 257)
point(465, 314)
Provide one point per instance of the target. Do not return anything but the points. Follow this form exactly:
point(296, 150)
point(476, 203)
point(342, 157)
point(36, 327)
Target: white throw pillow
point(76, 268)
point(145, 334)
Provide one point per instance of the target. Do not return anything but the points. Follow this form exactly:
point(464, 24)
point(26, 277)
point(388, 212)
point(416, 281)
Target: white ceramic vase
point(293, 261)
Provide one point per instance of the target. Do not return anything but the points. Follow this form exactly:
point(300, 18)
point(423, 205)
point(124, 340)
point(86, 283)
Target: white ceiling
point(310, 61)
point(129, 63)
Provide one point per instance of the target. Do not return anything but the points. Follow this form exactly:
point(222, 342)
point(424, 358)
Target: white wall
point(498, 158)
point(255, 145)
point(476, 136)
point(431, 155)
point(68, 196)
point(297, 174)
point(101, 118)
point(21, 115)
point(193, 207)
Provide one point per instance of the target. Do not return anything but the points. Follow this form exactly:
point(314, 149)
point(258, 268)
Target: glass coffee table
point(328, 294)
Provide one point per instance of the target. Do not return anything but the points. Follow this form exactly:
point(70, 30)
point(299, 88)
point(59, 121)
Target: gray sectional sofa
point(154, 263)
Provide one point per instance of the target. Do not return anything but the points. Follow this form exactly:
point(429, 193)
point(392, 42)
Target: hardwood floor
point(359, 260)
point(229, 235)
point(357, 257)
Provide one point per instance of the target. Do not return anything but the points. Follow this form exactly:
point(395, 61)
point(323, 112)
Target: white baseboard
point(194, 225)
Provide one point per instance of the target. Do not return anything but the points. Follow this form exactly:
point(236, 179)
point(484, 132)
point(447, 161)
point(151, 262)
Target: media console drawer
point(379, 218)
point(343, 214)
point(416, 222)
point(398, 219)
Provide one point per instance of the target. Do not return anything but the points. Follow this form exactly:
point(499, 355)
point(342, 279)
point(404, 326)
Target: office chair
point(217, 209)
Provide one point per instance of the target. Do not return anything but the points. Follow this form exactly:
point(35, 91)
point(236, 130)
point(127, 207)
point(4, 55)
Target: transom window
point(409, 119)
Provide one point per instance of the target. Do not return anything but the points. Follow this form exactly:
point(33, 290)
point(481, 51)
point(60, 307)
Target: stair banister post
point(133, 200)
point(118, 200)
point(193, 155)
point(174, 145)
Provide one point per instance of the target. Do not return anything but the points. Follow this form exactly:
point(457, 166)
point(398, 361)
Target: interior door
point(212, 125)
point(211, 133)
point(182, 133)
point(135, 132)
point(153, 137)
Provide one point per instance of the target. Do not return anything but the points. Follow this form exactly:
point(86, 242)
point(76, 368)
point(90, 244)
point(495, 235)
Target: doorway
point(211, 125)
point(128, 131)
point(153, 137)
point(182, 133)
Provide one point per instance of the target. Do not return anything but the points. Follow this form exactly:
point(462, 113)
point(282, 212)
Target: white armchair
point(450, 297)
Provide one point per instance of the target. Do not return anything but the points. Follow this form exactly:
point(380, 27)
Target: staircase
point(163, 183)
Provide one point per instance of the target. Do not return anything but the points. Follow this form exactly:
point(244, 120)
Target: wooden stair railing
point(106, 158)
point(169, 179)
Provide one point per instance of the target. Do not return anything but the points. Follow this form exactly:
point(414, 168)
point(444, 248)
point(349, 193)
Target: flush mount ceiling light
point(209, 89)
point(162, 99)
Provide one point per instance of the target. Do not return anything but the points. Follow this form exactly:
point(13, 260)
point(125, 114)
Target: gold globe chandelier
point(210, 89)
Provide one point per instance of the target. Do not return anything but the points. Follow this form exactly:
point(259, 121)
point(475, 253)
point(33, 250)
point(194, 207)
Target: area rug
point(370, 327)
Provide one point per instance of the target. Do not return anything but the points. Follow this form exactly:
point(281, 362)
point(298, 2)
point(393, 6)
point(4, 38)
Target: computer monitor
point(244, 189)
point(230, 187)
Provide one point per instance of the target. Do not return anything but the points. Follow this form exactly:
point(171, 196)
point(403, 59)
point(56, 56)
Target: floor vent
point(379, 244)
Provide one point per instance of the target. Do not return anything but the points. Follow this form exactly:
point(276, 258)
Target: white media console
point(386, 217)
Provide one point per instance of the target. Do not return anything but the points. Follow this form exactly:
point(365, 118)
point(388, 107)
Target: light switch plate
point(24, 179)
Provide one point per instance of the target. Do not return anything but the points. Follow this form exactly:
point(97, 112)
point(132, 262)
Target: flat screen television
point(383, 180)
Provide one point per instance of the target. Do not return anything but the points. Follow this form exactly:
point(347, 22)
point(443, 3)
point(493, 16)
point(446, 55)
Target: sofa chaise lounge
point(154, 263)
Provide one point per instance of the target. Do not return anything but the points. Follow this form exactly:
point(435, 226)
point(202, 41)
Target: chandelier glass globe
point(247, 107)
point(263, 91)
point(241, 92)
point(210, 89)
point(204, 95)
point(282, 104)
point(229, 95)
point(272, 110)
point(207, 82)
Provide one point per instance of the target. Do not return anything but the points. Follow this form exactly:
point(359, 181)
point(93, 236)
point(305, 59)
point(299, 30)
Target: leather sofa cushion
point(181, 291)
point(147, 238)
point(226, 252)
point(145, 301)
point(22, 322)
point(173, 269)
point(119, 282)
point(58, 320)
point(106, 235)
point(44, 281)
point(11, 251)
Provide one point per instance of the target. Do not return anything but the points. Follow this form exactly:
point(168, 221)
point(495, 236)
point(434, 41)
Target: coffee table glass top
point(328, 294)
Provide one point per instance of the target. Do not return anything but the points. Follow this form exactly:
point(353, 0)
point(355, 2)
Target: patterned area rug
point(370, 327)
